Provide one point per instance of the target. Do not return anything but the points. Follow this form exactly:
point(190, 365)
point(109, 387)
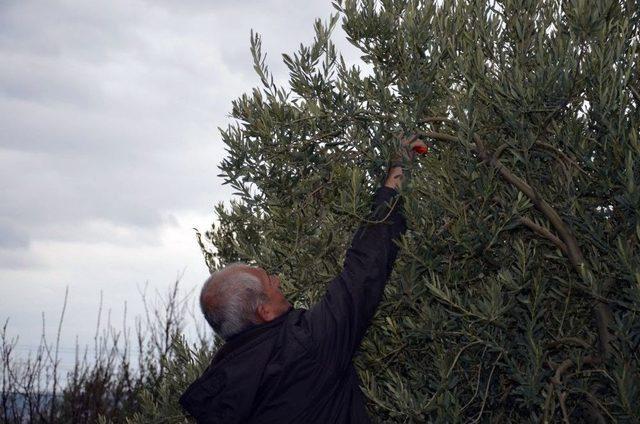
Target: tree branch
point(556, 380)
point(500, 149)
point(561, 154)
point(539, 229)
point(569, 341)
point(572, 248)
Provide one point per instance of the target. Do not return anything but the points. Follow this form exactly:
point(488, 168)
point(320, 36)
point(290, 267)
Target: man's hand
point(402, 158)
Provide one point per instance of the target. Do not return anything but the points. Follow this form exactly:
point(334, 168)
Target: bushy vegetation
point(120, 376)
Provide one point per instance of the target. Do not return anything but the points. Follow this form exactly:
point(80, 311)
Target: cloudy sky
point(109, 145)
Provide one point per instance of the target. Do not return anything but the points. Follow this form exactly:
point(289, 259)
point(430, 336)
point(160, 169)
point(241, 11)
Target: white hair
point(229, 300)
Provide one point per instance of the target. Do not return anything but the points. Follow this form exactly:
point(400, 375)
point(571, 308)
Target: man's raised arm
point(338, 322)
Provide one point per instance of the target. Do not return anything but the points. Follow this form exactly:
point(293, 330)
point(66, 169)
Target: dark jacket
point(298, 368)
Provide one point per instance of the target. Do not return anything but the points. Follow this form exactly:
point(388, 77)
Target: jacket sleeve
point(338, 322)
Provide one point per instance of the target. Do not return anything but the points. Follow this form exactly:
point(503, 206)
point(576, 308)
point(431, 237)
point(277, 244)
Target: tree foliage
point(516, 293)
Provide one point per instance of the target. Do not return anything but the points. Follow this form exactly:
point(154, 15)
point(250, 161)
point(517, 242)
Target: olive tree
point(516, 293)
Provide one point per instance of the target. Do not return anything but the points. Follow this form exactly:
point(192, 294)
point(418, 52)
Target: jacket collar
point(237, 340)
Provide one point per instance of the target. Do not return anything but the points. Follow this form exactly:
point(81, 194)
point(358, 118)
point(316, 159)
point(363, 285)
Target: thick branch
point(572, 249)
point(439, 136)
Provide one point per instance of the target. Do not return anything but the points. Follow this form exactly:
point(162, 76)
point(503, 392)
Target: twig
point(425, 407)
point(393, 352)
point(539, 229)
point(486, 390)
point(561, 398)
point(477, 383)
point(391, 208)
point(55, 364)
point(564, 311)
point(635, 93)
point(500, 149)
point(95, 337)
point(556, 380)
point(569, 340)
point(594, 400)
point(562, 155)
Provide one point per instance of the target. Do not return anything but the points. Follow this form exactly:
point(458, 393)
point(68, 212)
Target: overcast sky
point(109, 145)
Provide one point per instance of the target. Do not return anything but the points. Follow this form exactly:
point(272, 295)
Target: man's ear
point(264, 312)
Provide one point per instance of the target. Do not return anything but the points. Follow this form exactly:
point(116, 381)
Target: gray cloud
point(11, 236)
point(110, 110)
point(109, 144)
point(17, 259)
point(88, 31)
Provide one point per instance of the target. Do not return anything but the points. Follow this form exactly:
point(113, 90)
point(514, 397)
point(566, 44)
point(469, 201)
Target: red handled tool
point(421, 150)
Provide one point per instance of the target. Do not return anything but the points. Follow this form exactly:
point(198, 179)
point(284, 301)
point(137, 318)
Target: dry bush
point(105, 386)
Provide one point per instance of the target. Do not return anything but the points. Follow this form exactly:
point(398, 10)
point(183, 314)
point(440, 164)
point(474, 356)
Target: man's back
point(298, 368)
point(269, 374)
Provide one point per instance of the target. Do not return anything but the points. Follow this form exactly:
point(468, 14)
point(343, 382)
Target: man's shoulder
point(298, 326)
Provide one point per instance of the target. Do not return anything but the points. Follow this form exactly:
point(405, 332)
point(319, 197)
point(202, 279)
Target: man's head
point(239, 296)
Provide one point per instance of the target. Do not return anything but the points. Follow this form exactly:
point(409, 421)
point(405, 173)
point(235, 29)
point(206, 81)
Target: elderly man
point(285, 365)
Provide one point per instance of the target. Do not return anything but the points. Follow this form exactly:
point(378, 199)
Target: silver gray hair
point(229, 300)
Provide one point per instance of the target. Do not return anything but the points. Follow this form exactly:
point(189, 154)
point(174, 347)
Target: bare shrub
point(105, 386)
